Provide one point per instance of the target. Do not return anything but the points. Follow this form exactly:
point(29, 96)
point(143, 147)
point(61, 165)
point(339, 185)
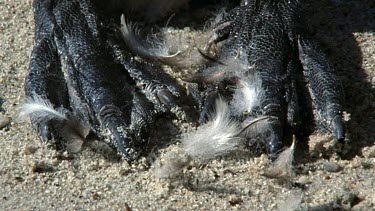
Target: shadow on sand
point(336, 25)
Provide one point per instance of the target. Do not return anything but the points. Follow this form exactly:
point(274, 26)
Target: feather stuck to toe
point(73, 131)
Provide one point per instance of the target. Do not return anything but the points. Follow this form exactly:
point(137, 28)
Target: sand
point(327, 177)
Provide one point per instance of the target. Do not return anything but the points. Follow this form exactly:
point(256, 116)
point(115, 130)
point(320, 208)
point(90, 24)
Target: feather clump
point(217, 137)
point(72, 130)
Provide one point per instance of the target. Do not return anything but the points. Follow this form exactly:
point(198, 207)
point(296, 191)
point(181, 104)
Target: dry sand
point(34, 177)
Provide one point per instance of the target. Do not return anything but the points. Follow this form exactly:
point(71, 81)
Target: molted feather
point(40, 110)
point(171, 163)
point(248, 95)
point(216, 137)
point(73, 131)
point(283, 165)
point(159, 51)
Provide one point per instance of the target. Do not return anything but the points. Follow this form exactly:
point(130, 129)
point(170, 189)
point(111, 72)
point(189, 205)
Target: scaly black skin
point(79, 62)
point(295, 73)
point(80, 65)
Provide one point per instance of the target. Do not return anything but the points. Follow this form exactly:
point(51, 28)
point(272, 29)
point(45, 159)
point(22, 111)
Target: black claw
point(49, 132)
point(274, 148)
point(120, 139)
point(338, 128)
point(45, 131)
point(207, 106)
point(276, 139)
point(166, 98)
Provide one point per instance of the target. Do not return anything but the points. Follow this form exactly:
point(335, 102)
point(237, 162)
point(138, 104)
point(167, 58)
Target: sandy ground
point(35, 177)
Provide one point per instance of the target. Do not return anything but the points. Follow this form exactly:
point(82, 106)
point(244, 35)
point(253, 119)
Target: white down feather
point(72, 131)
point(217, 137)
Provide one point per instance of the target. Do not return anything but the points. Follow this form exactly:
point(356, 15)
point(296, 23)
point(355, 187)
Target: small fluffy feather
point(159, 51)
point(171, 163)
point(40, 109)
point(232, 65)
point(72, 131)
point(217, 137)
point(172, 49)
point(166, 46)
point(282, 167)
point(248, 95)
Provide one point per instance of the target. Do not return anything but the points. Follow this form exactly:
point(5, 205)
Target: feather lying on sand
point(282, 167)
point(216, 137)
point(171, 163)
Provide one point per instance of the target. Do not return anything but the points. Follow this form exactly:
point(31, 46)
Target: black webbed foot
point(266, 49)
point(79, 64)
point(267, 68)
